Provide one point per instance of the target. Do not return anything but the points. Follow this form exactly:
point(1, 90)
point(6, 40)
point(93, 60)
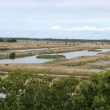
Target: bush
point(29, 91)
point(1, 40)
point(12, 40)
point(12, 55)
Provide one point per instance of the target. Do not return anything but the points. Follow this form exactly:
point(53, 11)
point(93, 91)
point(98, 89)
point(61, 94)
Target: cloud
point(56, 27)
point(83, 28)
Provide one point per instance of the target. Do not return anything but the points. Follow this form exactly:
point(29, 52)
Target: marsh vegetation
point(51, 56)
point(56, 56)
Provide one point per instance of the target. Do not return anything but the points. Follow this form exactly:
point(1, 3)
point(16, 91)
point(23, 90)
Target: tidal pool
point(24, 60)
point(34, 60)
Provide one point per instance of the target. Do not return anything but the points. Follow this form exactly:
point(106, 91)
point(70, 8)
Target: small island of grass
point(51, 56)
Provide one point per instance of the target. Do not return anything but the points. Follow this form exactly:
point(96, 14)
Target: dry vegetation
point(58, 70)
point(29, 44)
point(53, 47)
point(82, 66)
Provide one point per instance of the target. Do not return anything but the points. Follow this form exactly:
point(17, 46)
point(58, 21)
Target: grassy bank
point(51, 56)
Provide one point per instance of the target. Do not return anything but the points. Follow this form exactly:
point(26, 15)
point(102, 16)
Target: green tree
point(29, 91)
point(95, 93)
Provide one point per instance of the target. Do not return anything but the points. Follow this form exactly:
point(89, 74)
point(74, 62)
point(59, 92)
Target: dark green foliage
point(29, 91)
point(8, 40)
point(1, 40)
point(12, 40)
point(12, 55)
point(96, 92)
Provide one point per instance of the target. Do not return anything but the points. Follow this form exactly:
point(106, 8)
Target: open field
point(52, 47)
point(26, 44)
point(79, 66)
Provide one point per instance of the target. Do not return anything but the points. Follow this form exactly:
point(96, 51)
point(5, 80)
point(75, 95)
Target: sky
point(77, 19)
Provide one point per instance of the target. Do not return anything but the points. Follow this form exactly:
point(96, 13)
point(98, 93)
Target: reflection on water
point(24, 60)
point(34, 60)
point(71, 55)
point(105, 62)
point(103, 50)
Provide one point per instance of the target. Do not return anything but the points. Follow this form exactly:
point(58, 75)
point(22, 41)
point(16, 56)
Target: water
point(70, 55)
point(24, 60)
point(76, 54)
point(34, 60)
point(103, 50)
point(104, 62)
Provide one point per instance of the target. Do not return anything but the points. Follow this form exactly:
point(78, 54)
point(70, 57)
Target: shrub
point(12, 40)
point(1, 40)
point(29, 91)
point(12, 55)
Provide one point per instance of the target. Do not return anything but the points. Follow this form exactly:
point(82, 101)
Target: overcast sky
point(86, 19)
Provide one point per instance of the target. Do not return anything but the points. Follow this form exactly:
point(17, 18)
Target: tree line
point(2, 39)
point(8, 40)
